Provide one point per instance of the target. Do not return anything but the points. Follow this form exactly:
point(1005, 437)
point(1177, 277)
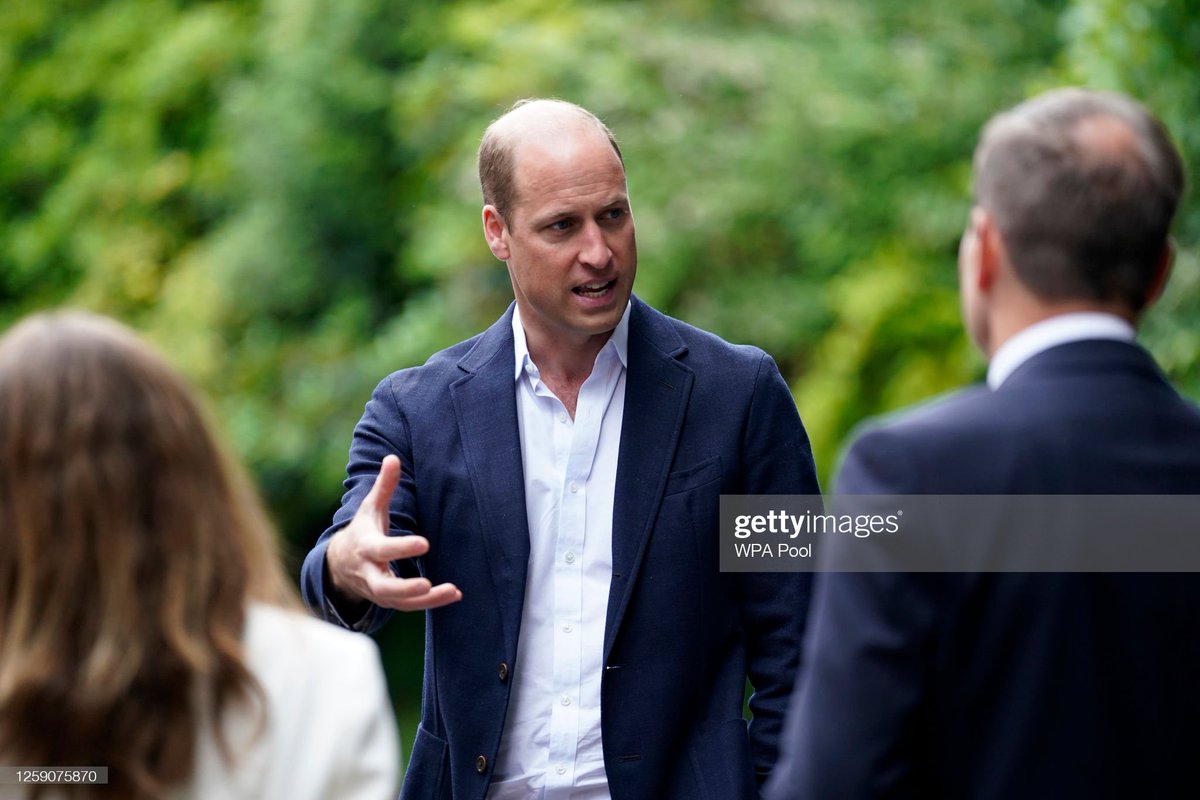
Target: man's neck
point(1007, 325)
point(1051, 332)
point(564, 360)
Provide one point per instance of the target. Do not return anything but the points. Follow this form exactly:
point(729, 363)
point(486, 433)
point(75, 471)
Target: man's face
point(568, 239)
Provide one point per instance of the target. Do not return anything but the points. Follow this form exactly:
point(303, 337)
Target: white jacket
point(330, 733)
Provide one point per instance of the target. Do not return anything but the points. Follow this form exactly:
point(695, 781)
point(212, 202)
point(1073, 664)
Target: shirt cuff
point(331, 613)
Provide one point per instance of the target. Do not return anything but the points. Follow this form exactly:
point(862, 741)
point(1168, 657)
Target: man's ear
point(495, 231)
point(991, 248)
point(1161, 272)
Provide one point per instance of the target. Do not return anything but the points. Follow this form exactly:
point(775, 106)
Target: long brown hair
point(130, 544)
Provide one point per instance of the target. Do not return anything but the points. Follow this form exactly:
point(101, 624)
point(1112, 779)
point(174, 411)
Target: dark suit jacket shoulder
point(1091, 417)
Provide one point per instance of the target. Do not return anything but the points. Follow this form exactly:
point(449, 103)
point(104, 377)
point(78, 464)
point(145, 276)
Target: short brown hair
point(495, 157)
point(1080, 221)
point(130, 544)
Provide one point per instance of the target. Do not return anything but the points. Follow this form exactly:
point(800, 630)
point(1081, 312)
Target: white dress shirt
point(551, 745)
point(1052, 332)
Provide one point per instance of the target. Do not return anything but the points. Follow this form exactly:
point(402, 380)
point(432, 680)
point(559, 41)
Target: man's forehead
point(548, 128)
point(548, 166)
point(563, 145)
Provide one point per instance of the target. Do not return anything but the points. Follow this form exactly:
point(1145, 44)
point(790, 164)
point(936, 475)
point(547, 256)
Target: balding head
point(1083, 186)
point(543, 122)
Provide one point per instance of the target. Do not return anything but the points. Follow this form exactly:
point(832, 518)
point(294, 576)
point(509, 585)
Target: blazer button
point(480, 764)
point(503, 671)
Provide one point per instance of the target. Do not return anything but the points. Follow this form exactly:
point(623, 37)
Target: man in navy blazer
point(1025, 685)
point(558, 482)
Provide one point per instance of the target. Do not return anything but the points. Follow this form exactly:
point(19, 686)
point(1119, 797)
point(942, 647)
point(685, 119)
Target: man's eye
point(614, 213)
point(560, 225)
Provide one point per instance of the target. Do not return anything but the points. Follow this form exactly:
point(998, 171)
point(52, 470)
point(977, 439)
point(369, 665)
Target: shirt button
point(529, 369)
point(480, 764)
point(503, 671)
point(567, 628)
point(569, 558)
point(562, 416)
point(574, 487)
point(566, 701)
point(560, 769)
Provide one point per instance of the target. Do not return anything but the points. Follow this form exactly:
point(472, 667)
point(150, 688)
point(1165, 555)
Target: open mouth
point(594, 289)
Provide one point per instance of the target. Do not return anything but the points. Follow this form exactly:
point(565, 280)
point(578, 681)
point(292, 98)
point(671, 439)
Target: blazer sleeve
point(382, 430)
point(854, 724)
point(776, 459)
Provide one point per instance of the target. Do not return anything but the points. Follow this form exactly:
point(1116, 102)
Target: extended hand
point(358, 554)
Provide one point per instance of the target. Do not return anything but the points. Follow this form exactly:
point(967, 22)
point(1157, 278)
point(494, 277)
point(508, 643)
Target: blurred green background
point(281, 193)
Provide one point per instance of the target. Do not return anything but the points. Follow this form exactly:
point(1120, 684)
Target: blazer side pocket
point(428, 772)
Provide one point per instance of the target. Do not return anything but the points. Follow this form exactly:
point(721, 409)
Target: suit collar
point(1087, 357)
point(496, 340)
point(1056, 330)
point(618, 341)
point(655, 330)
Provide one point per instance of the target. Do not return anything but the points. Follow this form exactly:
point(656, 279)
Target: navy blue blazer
point(702, 418)
point(1007, 686)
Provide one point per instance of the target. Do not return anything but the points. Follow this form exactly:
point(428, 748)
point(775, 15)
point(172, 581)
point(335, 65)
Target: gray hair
point(1083, 186)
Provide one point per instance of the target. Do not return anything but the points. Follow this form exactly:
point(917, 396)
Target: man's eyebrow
point(555, 214)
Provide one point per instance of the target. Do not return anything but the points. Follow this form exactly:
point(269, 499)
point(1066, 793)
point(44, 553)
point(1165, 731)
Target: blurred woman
point(146, 624)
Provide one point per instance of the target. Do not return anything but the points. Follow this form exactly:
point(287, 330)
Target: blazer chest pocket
point(685, 480)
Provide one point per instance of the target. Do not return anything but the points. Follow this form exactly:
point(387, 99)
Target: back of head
point(129, 546)
point(1083, 186)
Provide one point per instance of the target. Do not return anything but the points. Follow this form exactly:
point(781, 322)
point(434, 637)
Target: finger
point(381, 549)
point(380, 496)
point(441, 595)
point(387, 589)
point(412, 594)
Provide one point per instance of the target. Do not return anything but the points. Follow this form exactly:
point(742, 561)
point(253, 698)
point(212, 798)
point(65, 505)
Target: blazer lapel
point(486, 408)
point(657, 387)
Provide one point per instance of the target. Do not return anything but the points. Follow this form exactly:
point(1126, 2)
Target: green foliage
point(304, 274)
point(108, 155)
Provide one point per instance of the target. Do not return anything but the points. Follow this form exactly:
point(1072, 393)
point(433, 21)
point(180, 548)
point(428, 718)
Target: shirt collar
point(618, 342)
point(1052, 332)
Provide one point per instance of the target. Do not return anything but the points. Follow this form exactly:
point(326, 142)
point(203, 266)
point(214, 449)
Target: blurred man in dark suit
point(1021, 685)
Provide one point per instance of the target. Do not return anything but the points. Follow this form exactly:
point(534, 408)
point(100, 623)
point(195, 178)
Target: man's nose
point(593, 247)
